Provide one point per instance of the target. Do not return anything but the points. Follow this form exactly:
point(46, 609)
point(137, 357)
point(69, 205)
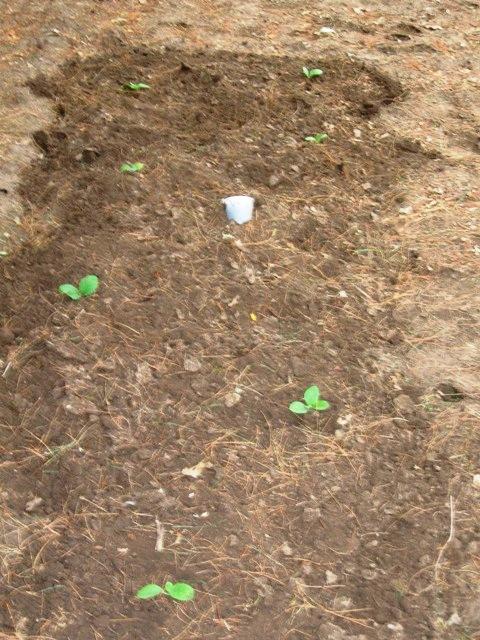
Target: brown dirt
point(100, 415)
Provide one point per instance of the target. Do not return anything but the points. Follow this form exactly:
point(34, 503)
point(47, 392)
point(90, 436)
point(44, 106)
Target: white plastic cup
point(239, 208)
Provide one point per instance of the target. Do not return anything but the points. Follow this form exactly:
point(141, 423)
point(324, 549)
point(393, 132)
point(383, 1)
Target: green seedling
point(180, 591)
point(131, 167)
point(318, 138)
point(312, 73)
point(135, 86)
point(313, 402)
point(86, 287)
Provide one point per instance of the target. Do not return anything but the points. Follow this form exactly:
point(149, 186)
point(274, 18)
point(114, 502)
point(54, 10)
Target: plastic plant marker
point(298, 407)
point(149, 591)
point(70, 290)
point(136, 86)
point(180, 591)
point(131, 167)
point(311, 396)
point(322, 405)
point(88, 285)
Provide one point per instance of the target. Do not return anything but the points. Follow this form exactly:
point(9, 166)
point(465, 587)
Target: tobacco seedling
point(131, 167)
point(135, 86)
point(317, 138)
point(180, 591)
point(313, 402)
point(86, 287)
point(312, 73)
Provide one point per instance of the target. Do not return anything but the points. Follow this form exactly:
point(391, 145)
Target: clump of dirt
point(201, 335)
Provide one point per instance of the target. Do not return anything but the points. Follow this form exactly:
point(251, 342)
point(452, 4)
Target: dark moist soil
point(104, 401)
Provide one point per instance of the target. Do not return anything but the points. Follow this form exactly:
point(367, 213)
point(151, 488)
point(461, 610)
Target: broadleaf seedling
point(86, 287)
point(317, 138)
point(312, 73)
point(135, 86)
point(180, 591)
point(131, 167)
point(312, 402)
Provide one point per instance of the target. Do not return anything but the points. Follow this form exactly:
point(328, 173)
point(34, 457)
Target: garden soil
point(145, 431)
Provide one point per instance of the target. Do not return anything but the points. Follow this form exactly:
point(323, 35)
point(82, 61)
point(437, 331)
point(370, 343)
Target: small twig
point(6, 370)
point(160, 535)
point(448, 542)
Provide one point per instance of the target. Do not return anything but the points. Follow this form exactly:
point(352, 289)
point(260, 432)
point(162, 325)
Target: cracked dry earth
point(359, 273)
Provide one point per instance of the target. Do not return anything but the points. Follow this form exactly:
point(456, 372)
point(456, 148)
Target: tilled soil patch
point(199, 338)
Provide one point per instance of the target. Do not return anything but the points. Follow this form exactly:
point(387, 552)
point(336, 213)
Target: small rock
point(233, 540)
point(311, 515)
point(473, 547)
point(286, 549)
point(197, 471)
point(395, 626)
point(250, 275)
point(330, 577)
point(357, 133)
point(144, 373)
point(369, 574)
point(264, 590)
point(449, 393)
point(88, 155)
point(80, 406)
point(404, 404)
point(231, 399)
point(325, 31)
point(476, 481)
point(343, 603)
point(405, 211)
point(201, 386)
point(33, 504)
point(58, 392)
point(144, 454)
point(344, 421)
point(192, 364)
point(274, 181)
point(454, 619)
point(330, 631)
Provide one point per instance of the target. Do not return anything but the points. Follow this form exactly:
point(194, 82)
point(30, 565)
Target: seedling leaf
point(149, 591)
point(318, 138)
point(298, 407)
point(322, 405)
point(136, 86)
point(311, 396)
point(131, 167)
point(70, 290)
point(88, 285)
point(180, 591)
point(312, 73)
